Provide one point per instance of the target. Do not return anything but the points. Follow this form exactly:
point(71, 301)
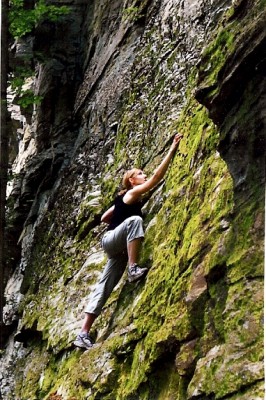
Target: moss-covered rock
point(193, 327)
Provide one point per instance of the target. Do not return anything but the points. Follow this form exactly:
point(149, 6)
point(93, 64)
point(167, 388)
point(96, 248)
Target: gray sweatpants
point(114, 244)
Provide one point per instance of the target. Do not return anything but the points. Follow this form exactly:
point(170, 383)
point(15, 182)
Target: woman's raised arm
point(137, 190)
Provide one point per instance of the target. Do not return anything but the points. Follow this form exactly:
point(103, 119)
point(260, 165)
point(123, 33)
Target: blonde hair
point(126, 182)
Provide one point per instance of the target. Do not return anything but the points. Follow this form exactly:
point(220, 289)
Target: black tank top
point(123, 211)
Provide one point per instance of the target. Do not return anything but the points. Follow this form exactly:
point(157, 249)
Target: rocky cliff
point(117, 80)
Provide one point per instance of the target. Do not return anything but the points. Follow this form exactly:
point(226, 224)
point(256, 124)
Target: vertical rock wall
point(114, 93)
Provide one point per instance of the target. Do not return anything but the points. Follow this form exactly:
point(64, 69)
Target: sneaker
point(135, 272)
point(83, 341)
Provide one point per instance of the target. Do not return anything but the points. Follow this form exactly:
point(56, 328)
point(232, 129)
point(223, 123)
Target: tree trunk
point(3, 156)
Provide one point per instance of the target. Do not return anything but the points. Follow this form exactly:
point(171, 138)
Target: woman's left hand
point(176, 141)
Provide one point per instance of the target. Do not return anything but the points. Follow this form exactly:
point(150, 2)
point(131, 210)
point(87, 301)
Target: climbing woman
point(122, 240)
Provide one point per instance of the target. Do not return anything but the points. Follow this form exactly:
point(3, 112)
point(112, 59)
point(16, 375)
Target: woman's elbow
point(105, 219)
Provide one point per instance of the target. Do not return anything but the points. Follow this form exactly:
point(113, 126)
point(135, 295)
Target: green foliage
point(20, 75)
point(22, 21)
point(28, 98)
point(131, 13)
point(25, 96)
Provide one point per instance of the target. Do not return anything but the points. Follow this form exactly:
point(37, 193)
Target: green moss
point(156, 312)
point(31, 370)
point(247, 257)
point(61, 374)
point(218, 293)
point(234, 29)
point(244, 313)
point(215, 55)
point(134, 11)
point(254, 391)
point(225, 373)
point(202, 199)
point(163, 383)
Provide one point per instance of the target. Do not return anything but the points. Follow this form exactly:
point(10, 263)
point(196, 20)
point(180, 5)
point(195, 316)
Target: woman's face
point(138, 178)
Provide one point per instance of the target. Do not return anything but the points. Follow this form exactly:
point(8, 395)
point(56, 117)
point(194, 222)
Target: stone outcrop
point(117, 80)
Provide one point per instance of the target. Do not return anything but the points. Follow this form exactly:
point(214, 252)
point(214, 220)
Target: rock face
point(117, 80)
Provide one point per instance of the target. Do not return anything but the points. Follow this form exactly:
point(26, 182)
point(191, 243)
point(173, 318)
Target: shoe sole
point(80, 346)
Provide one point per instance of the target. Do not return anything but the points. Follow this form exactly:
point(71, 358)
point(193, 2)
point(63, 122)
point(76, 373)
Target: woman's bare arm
point(133, 194)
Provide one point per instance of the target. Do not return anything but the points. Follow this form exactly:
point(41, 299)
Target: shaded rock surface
point(117, 80)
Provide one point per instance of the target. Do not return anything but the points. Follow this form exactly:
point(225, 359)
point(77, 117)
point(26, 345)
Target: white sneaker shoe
point(83, 341)
point(135, 272)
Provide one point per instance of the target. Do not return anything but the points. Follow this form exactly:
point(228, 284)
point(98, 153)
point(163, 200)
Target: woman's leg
point(127, 236)
point(133, 251)
point(87, 322)
point(119, 240)
point(111, 275)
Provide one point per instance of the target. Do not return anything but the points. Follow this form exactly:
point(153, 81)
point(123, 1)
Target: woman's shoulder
point(122, 199)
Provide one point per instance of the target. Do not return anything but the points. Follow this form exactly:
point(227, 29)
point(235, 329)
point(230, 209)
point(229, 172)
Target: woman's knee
point(134, 228)
point(134, 223)
point(135, 219)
